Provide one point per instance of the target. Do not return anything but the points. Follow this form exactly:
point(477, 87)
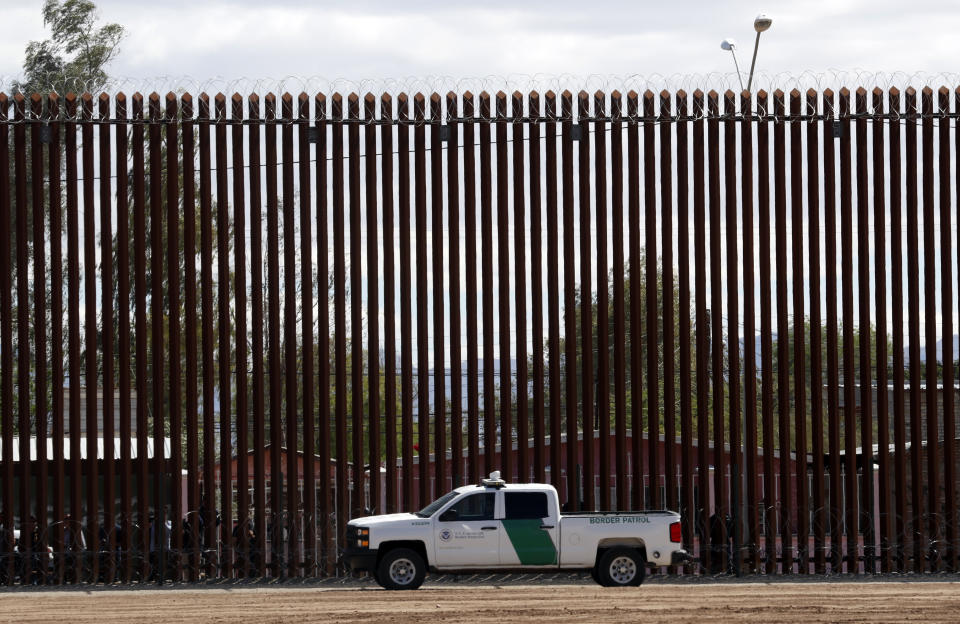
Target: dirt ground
point(843, 601)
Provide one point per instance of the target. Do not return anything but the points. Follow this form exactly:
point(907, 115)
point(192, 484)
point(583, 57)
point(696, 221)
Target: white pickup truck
point(500, 526)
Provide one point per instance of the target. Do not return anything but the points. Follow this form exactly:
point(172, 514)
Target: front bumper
point(360, 559)
point(680, 557)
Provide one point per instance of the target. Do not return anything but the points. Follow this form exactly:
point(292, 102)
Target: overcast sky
point(378, 39)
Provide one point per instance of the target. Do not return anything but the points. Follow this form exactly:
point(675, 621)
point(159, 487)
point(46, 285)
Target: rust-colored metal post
point(453, 271)
point(652, 284)
point(486, 244)
point(687, 500)
point(619, 321)
point(389, 301)
point(569, 307)
point(106, 340)
point(702, 334)
point(240, 342)
point(293, 414)
point(90, 321)
point(635, 338)
point(439, 268)
point(423, 345)
point(341, 512)
point(671, 500)
point(820, 515)
point(6, 347)
point(553, 294)
point(536, 291)
point(57, 325)
point(733, 327)
point(503, 279)
point(140, 314)
point(799, 469)
point(275, 519)
point(406, 350)
point(191, 523)
point(603, 298)
point(588, 408)
point(308, 518)
point(175, 466)
point(783, 342)
point(520, 289)
point(470, 266)
point(256, 338)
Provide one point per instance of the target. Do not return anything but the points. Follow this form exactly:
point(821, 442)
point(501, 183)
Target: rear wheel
point(621, 567)
point(401, 568)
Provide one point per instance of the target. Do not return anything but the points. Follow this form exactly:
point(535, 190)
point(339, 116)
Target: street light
point(760, 24)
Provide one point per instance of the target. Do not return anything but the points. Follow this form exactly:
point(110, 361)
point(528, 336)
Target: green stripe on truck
point(531, 543)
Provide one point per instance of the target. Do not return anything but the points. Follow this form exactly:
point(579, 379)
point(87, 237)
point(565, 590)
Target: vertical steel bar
point(520, 289)
point(619, 322)
point(949, 416)
point(916, 425)
point(158, 534)
point(224, 364)
point(671, 500)
point(240, 341)
point(453, 209)
point(192, 525)
point(56, 324)
point(588, 408)
point(718, 526)
point(652, 284)
point(687, 497)
point(106, 334)
point(275, 519)
point(207, 503)
point(820, 517)
point(883, 383)
point(292, 412)
point(866, 492)
point(256, 324)
point(308, 500)
point(27, 514)
point(769, 518)
point(389, 301)
point(406, 351)
point(603, 300)
point(851, 515)
point(535, 159)
point(486, 245)
point(175, 480)
point(932, 480)
point(783, 342)
point(423, 355)
point(702, 334)
point(438, 270)
point(948, 533)
point(833, 369)
point(897, 305)
point(6, 343)
point(635, 303)
point(733, 325)
point(40, 315)
point(751, 541)
point(373, 298)
point(323, 336)
point(553, 294)
point(800, 414)
point(569, 307)
point(90, 323)
point(356, 311)
point(470, 267)
point(503, 279)
point(140, 314)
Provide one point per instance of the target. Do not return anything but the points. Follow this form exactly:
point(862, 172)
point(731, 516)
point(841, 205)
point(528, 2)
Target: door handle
point(546, 526)
point(488, 528)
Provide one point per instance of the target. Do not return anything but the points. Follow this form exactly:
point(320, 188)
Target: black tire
point(401, 568)
point(621, 567)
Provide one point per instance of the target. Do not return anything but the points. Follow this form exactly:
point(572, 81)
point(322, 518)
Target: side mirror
point(448, 515)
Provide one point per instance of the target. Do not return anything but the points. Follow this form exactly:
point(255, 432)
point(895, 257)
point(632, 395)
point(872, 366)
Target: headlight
point(363, 538)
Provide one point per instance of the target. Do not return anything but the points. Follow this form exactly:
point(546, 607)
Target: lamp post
point(760, 24)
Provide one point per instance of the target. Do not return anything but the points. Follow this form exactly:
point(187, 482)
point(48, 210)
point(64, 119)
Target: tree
point(75, 57)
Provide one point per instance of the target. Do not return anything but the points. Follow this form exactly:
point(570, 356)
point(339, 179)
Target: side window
point(525, 505)
point(475, 507)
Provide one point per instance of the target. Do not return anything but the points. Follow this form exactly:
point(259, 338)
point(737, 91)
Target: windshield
point(432, 508)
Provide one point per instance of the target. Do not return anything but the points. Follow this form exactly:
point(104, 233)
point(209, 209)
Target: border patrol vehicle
point(501, 526)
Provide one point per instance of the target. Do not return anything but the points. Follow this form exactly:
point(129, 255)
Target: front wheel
point(401, 568)
point(621, 567)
